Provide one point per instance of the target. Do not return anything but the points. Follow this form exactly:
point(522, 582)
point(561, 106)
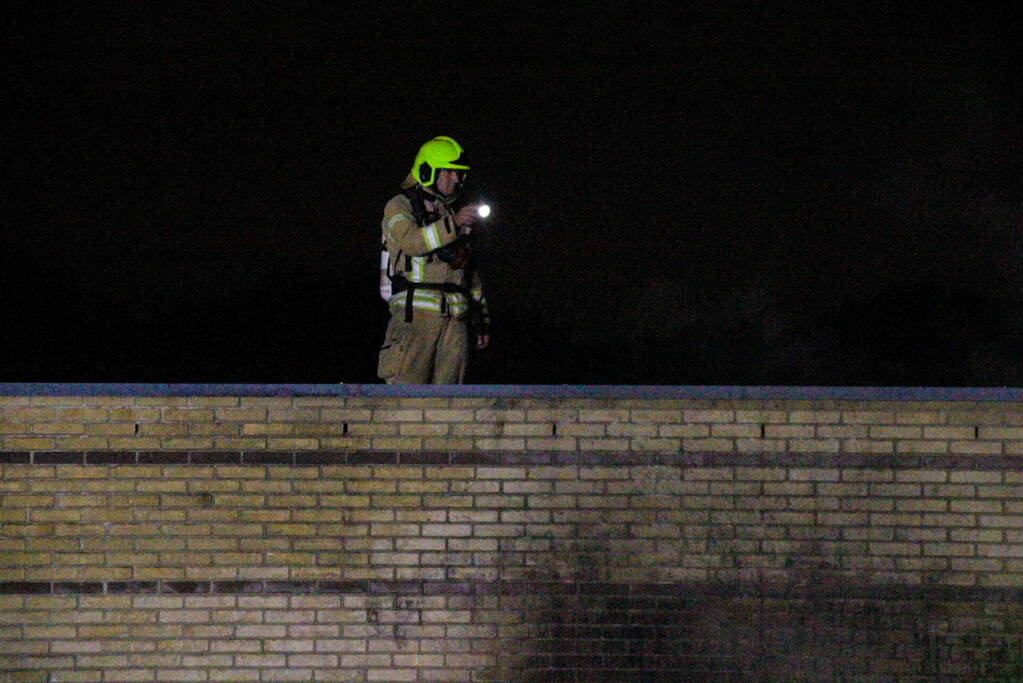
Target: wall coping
point(539, 391)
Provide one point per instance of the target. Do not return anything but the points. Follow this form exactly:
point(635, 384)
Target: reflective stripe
point(395, 218)
point(422, 299)
point(457, 304)
point(431, 236)
point(417, 269)
point(428, 300)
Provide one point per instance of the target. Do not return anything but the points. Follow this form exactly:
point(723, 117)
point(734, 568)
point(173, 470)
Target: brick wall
point(512, 534)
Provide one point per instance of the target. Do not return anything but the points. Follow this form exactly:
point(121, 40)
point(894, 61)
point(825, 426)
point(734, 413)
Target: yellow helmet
point(441, 152)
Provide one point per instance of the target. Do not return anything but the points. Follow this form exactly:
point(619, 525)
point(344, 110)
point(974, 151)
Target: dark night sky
point(720, 193)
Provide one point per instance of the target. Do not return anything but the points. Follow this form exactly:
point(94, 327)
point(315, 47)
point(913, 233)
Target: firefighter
point(436, 295)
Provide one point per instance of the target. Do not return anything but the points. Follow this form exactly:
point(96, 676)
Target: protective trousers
point(431, 349)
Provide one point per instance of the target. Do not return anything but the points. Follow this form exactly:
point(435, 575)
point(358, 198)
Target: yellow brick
point(190, 444)
point(174, 429)
point(346, 415)
point(267, 429)
point(275, 486)
point(590, 430)
point(500, 444)
point(867, 417)
point(80, 443)
point(647, 416)
point(340, 472)
point(154, 573)
point(12, 500)
point(57, 428)
point(220, 499)
point(448, 415)
point(11, 428)
point(397, 444)
point(391, 415)
point(241, 444)
point(286, 559)
point(294, 414)
point(923, 446)
point(31, 414)
point(999, 433)
point(486, 429)
point(921, 417)
point(292, 444)
point(371, 486)
point(526, 429)
point(929, 476)
point(814, 445)
point(993, 506)
point(450, 472)
point(397, 472)
point(29, 472)
point(135, 415)
point(66, 472)
point(977, 447)
point(188, 415)
point(372, 429)
point(447, 444)
point(603, 415)
point(814, 417)
point(240, 414)
point(131, 444)
point(788, 432)
point(84, 500)
point(740, 430)
point(976, 477)
point(603, 444)
point(759, 416)
point(291, 529)
point(889, 432)
point(309, 429)
point(423, 429)
point(707, 473)
point(385, 501)
point(664, 445)
point(344, 501)
point(16, 443)
point(867, 446)
point(346, 443)
point(214, 429)
point(993, 491)
point(940, 433)
point(494, 415)
point(238, 472)
point(708, 445)
point(136, 472)
point(138, 500)
point(852, 432)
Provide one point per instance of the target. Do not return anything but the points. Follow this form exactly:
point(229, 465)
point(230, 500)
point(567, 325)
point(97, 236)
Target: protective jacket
point(430, 259)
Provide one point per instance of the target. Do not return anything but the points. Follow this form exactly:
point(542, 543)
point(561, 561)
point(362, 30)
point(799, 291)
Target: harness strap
point(399, 283)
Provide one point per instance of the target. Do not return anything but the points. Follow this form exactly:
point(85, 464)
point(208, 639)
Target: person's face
point(447, 181)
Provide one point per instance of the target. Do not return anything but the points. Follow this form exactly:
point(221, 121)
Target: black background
point(718, 193)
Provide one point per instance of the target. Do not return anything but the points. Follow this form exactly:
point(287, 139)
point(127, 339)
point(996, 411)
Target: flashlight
point(483, 210)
